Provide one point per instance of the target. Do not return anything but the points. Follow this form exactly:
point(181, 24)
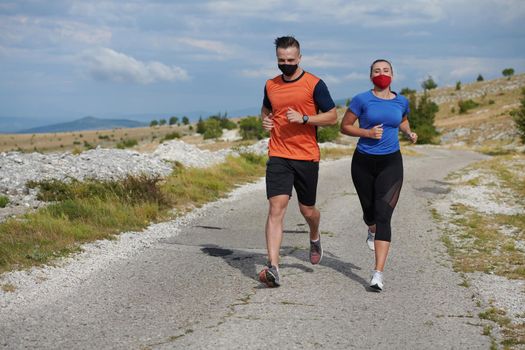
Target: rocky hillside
point(488, 124)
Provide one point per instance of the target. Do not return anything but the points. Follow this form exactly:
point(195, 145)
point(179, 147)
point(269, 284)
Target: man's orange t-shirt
point(291, 140)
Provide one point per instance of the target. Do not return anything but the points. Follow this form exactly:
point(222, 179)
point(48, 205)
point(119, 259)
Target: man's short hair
point(285, 42)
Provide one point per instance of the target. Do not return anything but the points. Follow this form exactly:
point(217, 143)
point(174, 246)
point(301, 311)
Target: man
point(295, 104)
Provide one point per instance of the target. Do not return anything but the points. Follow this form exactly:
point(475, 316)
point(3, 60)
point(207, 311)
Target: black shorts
point(282, 174)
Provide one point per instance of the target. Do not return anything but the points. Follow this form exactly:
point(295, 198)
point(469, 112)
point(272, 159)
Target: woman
point(377, 166)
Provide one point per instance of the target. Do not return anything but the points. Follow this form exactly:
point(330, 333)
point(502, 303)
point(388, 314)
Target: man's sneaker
point(270, 276)
point(370, 240)
point(376, 282)
point(316, 251)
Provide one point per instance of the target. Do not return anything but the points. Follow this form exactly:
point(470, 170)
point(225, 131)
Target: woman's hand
point(412, 136)
point(376, 132)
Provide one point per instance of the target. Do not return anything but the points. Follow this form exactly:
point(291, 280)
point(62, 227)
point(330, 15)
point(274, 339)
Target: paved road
point(197, 290)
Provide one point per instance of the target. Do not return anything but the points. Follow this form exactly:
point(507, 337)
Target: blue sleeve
point(266, 100)
point(322, 97)
point(356, 106)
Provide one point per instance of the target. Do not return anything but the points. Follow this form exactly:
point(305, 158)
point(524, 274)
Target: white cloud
point(206, 45)
point(333, 80)
point(107, 64)
point(267, 73)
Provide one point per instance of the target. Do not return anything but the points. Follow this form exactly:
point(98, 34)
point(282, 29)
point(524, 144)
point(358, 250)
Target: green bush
point(429, 84)
point(464, 106)
point(327, 133)
point(251, 128)
point(4, 200)
point(127, 143)
point(213, 129)
point(422, 114)
point(519, 117)
point(480, 78)
point(508, 72)
point(153, 123)
point(171, 136)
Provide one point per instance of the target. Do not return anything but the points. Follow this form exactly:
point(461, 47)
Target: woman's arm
point(348, 127)
point(405, 129)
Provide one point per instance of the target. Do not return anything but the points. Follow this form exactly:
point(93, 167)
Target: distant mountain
point(15, 124)
point(86, 123)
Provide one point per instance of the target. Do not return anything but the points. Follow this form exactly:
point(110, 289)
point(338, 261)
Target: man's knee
point(309, 212)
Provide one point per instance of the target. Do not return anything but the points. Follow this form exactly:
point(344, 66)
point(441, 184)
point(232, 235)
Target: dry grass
point(87, 211)
point(82, 140)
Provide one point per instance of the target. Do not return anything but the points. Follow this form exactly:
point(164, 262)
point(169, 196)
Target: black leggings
point(377, 180)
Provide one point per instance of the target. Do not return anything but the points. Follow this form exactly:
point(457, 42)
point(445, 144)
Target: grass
point(489, 242)
point(81, 212)
point(4, 201)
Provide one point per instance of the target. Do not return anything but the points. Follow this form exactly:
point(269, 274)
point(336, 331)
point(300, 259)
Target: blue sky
point(69, 59)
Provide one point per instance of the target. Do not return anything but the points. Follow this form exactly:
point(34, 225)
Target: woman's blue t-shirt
point(371, 111)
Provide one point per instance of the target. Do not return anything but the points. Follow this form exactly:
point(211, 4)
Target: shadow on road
point(248, 262)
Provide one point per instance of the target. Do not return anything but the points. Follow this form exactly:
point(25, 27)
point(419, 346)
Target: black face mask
point(287, 69)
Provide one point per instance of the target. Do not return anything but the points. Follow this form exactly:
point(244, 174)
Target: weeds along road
point(197, 290)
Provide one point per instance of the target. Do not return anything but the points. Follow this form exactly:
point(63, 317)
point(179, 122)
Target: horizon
point(66, 60)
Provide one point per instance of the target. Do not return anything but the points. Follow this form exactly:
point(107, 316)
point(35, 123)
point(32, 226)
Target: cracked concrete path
point(198, 290)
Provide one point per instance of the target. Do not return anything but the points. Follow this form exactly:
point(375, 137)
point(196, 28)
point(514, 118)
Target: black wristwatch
point(305, 119)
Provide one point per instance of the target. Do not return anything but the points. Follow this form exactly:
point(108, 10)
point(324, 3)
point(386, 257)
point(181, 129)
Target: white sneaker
point(370, 240)
point(377, 281)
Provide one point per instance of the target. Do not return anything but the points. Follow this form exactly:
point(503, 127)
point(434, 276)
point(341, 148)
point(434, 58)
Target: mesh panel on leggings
point(392, 195)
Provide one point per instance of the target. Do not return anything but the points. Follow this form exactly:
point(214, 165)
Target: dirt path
point(197, 289)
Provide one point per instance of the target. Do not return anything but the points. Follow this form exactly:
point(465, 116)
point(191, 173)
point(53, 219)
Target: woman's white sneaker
point(376, 282)
point(370, 240)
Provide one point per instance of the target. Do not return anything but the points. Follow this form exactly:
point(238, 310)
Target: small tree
point(201, 127)
point(153, 123)
point(407, 91)
point(162, 122)
point(185, 120)
point(347, 102)
point(173, 120)
point(508, 72)
point(213, 129)
point(458, 85)
point(480, 78)
point(421, 117)
point(429, 83)
point(519, 117)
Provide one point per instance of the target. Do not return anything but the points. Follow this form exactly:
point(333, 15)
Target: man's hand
point(294, 116)
point(267, 121)
point(376, 132)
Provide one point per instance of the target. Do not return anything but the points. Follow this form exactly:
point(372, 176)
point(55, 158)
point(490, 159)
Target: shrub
point(327, 133)
point(173, 120)
point(479, 78)
point(519, 117)
point(171, 136)
point(185, 120)
point(4, 200)
point(422, 114)
point(429, 84)
point(153, 123)
point(464, 106)
point(251, 128)
point(127, 143)
point(508, 72)
point(213, 129)
point(201, 128)
point(458, 85)
point(87, 145)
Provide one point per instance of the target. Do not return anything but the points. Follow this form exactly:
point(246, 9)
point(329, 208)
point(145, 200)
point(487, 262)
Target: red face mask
point(382, 81)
